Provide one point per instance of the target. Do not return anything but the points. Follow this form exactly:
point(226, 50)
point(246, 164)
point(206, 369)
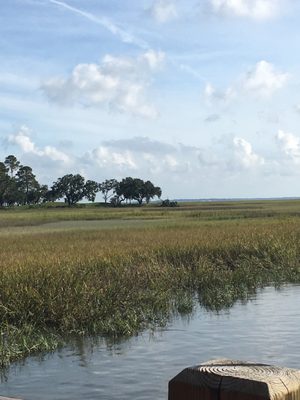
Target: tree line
point(19, 186)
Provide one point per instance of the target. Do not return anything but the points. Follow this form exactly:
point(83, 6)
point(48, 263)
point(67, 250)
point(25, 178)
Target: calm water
point(266, 329)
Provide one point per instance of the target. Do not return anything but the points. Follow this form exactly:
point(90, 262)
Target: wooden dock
point(235, 380)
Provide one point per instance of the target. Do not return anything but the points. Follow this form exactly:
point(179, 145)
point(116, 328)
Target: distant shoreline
point(237, 199)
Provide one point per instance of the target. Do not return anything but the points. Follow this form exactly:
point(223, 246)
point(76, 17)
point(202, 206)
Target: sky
point(199, 96)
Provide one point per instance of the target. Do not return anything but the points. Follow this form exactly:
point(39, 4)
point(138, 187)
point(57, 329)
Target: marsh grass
point(21, 216)
point(18, 342)
point(118, 281)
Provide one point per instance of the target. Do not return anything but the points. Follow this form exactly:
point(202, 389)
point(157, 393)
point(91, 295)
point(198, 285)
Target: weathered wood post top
point(235, 380)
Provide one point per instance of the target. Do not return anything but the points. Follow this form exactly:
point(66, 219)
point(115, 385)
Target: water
point(265, 329)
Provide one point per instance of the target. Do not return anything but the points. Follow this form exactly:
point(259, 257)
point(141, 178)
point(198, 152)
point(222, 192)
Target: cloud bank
point(171, 165)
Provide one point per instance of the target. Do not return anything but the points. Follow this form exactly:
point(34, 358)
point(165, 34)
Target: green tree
point(12, 193)
point(128, 189)
point(37, 194)
point(12, 164)
point(91, 188)
point(150, 191)
point(71, 187)
point(4, 180)
point(3, 169)
point(49, 195)
point(109, 185)
point(43, 191)
point(136, 189)
point(26, 183)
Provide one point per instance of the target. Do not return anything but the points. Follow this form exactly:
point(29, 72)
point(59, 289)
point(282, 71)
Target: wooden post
point(235, 380)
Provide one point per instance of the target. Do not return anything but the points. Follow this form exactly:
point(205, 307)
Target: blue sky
point(201, 97)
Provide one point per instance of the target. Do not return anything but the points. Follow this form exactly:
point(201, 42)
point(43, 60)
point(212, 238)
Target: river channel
point(264, 329)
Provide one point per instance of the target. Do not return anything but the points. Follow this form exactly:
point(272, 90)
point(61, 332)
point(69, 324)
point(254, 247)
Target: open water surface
point(265, 329)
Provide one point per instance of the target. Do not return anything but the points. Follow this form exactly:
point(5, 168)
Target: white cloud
point(212, 94)
point(104, 157)
point(145, 63)
point(229, 155)
point(148, 157)
point(23, 140)
point(163, 11)
point(264, 79)
point(54, 154)
point(245, 155)
point(290, 145)
point(155, 59)
point(171, 161)
point(254, 9)
point(117, 82)
point(140, 144)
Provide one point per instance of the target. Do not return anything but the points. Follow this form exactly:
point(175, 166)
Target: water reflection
point(264, 329)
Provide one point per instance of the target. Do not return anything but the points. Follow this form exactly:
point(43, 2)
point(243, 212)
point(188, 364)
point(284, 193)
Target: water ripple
point(265, 329)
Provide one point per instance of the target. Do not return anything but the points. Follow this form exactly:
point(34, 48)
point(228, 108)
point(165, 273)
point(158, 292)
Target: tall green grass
point(119, 281)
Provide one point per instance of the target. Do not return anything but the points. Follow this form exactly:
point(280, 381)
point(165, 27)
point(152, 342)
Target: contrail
point(191, 71)
point(125, 37)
